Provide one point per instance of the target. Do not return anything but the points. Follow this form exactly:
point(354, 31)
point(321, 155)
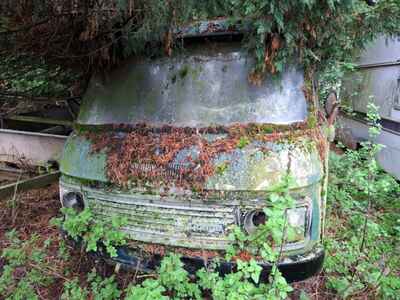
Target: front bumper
point(294, 268)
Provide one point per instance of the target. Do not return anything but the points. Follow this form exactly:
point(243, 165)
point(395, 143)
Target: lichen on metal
point(253, 169)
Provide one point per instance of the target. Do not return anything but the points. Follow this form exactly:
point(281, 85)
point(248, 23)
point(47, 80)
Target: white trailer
point(377, 79)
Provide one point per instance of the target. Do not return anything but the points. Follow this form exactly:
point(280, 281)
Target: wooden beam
point(8, 190)
point(40, 120)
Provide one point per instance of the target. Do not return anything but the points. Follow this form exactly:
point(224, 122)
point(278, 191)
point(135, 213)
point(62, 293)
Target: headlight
point(297, 222)
point(252, 219)
point(73, 200)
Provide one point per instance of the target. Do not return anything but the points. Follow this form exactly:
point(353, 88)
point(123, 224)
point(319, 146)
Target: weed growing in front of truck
point(172, 281)
point(361, 257)
point(244, 283)
point(243, 142)
point(25, 269)
point(73, 291)
point(98, 288)
point(268, 240)
point(83, 226)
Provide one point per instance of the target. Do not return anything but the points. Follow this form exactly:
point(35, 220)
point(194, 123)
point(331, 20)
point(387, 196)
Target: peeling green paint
point(79, 161)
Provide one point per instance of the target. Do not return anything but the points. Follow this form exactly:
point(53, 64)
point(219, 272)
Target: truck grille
point(167, 221)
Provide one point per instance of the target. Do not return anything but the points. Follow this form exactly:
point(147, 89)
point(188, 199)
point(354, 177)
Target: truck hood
point(258, 166)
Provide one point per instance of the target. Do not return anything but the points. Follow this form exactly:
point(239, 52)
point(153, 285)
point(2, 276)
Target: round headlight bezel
point(252, 219)
point(73, 200)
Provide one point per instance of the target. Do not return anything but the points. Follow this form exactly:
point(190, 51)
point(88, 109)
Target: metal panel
point(203, 86)
point(389, 156)
point(185, 222)
point(380, 85)
point(33, 148)
point(248, 169)
point(382, 50)
point(377, 80)
point(164, 220)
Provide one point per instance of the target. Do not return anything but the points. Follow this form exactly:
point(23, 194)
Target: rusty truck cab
point(185, 147)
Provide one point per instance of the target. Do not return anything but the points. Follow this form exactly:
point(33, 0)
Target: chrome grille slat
point(165, 213)
point(160, 210)
point(150, 224)
point(133, 221)
point(161, 227)
point(177, 206)
point(144, 218)
point(168, 236)
point(166, 220)
point(193, 242)
point(119, 209)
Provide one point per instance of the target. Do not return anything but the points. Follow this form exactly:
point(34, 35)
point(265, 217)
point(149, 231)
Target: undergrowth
point(27, 269)
point(84, 227)
point(363, 256)
point(171, 281)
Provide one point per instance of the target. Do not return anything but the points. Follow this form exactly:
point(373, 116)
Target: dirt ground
point(30, 213)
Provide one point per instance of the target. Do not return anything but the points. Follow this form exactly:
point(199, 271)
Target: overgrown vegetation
point(88, 35)
point(26, 268)
point(172, 280)
point(86, 228)
point(362, 230)
point(364, 199)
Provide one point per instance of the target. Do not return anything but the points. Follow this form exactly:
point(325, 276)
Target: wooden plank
point(4, 168)
point(40, 120)
point(11, 176)
point(27, 184)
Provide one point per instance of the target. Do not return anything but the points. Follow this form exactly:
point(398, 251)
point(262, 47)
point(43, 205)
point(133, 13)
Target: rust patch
point(243, 256)
point(322, 142)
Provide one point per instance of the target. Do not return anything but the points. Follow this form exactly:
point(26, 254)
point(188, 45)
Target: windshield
point(206, 85)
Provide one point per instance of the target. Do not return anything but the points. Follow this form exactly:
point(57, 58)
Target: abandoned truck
point(186, 147)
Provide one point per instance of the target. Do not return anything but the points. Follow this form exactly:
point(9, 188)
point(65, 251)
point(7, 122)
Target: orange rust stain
point(243, 256)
